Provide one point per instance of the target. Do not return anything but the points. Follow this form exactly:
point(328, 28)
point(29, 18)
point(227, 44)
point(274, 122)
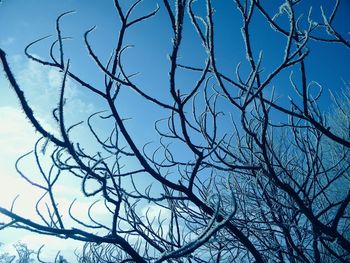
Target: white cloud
point(17, 58)
point(80, 210)
point(76, 105)
point(160, 217)
point(8, 41)
point(17, 136)
point(16, 133)
point(156, 213)
point(55, 78)
point(42, 85)
point(31, 74)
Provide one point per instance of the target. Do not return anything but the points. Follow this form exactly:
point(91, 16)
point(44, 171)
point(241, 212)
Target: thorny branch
point(227, 182)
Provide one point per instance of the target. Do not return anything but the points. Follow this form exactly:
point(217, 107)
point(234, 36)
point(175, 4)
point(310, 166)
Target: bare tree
point(237, 174)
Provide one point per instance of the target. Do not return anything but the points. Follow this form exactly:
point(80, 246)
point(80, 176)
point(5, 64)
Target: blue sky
point(23, 21)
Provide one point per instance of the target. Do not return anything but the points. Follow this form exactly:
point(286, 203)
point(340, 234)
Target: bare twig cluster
point(238, 175)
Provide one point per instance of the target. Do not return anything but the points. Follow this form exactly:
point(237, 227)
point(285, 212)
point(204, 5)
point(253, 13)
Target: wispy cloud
point(155, 212)
point(17, 137)
point(16, 133)
point(42, 86)
point(159, 216)
point(8, 41)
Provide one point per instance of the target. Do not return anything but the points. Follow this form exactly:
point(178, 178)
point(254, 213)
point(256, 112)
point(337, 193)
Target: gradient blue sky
point(23, 21)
